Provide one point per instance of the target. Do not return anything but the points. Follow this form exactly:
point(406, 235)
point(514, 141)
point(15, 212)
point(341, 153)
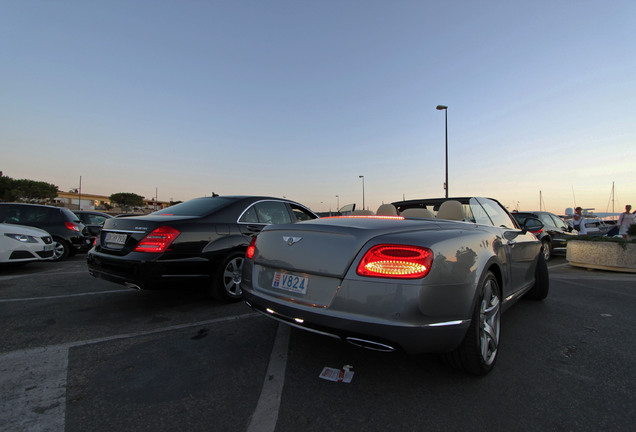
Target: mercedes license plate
point(115, 239)
point(289, 282)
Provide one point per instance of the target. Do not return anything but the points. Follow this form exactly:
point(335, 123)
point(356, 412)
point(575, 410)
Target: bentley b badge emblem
point(291, 240)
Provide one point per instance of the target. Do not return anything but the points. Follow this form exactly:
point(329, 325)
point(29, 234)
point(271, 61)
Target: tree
point(127, 199)
point(26, 190)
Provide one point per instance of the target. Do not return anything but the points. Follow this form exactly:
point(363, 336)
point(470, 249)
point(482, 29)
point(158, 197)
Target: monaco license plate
point(289, 282)
point(115, 239)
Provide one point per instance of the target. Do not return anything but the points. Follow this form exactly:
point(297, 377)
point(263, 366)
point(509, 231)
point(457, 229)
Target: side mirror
point(533, 225)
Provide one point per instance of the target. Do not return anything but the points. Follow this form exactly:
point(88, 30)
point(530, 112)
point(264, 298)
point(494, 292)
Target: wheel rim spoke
point(231, 277)
point(489, 323)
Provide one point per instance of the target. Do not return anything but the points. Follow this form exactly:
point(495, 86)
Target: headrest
point(452, 210)
point(386, 210)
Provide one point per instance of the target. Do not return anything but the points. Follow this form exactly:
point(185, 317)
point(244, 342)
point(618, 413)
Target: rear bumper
point(439, 336)
point(147, 273)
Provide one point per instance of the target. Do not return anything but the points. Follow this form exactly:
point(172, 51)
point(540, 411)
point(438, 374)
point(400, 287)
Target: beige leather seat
point(362, 213)
point(417, 213)
point(386, 210)
point(452, 210)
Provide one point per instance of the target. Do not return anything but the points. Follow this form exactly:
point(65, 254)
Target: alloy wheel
point(232, 277)
point(489, 316)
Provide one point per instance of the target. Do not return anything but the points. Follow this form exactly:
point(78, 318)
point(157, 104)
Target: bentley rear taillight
point(158, 240)
point(251, 249)
point(396, 261)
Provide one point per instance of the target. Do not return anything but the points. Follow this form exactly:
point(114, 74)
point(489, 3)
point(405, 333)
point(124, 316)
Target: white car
point(19, 243)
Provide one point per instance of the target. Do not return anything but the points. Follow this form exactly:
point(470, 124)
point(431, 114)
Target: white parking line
point(63, 296)
point(266, 413)
point(46, 273)
point(33, 381)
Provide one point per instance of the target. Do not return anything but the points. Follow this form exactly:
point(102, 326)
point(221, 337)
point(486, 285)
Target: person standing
point(625, 220)
point(578, 221)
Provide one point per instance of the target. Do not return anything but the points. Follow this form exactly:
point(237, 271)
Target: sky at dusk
point(301, 98)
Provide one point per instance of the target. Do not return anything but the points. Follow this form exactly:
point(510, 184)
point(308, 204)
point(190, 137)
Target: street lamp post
point(445, 109)
point(337, 202)
point(362, 177)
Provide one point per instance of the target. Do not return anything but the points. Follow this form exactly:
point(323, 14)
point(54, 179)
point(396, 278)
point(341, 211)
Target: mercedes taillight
point(158, 240)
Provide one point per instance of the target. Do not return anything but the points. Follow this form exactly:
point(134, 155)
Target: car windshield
point(196, 207)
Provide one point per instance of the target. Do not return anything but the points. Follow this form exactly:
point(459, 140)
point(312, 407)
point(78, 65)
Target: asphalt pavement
point(78, 354)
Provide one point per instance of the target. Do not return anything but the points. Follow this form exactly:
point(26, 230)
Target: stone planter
point(602, 255)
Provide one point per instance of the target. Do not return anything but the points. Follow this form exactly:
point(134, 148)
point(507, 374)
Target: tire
point(546, 249)
point(227, 282)
point(541, 286)
point(478, 351)
point(61, 249)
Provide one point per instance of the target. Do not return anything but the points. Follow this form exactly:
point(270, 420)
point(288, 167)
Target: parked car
point(21, 244)
point(199, 241)
point(431, 283)
point(60, 222)
point(554, 234)
point(92, 220)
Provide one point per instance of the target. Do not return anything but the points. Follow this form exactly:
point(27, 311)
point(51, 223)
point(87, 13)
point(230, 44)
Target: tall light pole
point(362, 177)
point(79, 195)
point(445, 108)
point(337, 202)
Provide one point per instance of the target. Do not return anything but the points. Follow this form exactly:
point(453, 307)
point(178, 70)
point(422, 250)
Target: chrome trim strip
point(448, 323)
point(124, 231)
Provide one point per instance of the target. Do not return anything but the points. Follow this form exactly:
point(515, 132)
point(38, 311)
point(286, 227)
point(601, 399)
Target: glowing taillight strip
point(396, 261)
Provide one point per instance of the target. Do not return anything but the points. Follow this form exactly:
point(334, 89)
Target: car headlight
point(22, 238)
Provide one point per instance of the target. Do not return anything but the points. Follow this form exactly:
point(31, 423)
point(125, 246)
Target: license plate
point(115, 239)
point(289, 282)
point(48, 247)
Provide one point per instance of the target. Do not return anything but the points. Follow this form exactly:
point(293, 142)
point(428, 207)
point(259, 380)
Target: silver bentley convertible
point(430, 275)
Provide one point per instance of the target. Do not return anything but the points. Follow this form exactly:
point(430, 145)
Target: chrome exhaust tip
point(132, 285)
point(372, 345)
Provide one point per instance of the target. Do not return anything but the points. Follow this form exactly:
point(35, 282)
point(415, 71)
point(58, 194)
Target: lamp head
point(441, 107)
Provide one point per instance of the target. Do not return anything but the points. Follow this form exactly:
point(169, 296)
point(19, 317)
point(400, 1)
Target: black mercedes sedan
point(201, 241)
point(553, 235)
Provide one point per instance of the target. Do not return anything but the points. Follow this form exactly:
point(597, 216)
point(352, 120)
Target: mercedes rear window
point(196, 207)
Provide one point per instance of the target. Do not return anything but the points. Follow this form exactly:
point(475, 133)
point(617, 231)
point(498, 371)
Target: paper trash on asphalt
point(344, 375)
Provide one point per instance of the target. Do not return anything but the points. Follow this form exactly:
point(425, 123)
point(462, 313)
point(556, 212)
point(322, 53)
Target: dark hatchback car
point(92, 220)
point(554, 233)
point(201, 241)
point(61, 223)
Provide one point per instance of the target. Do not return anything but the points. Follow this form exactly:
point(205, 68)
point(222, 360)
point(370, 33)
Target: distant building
point(74, 201)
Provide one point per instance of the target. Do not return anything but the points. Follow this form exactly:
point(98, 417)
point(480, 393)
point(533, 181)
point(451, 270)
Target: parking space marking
point(33, 381)
point(47, 273)
point(266, 413)
point(63, 296)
